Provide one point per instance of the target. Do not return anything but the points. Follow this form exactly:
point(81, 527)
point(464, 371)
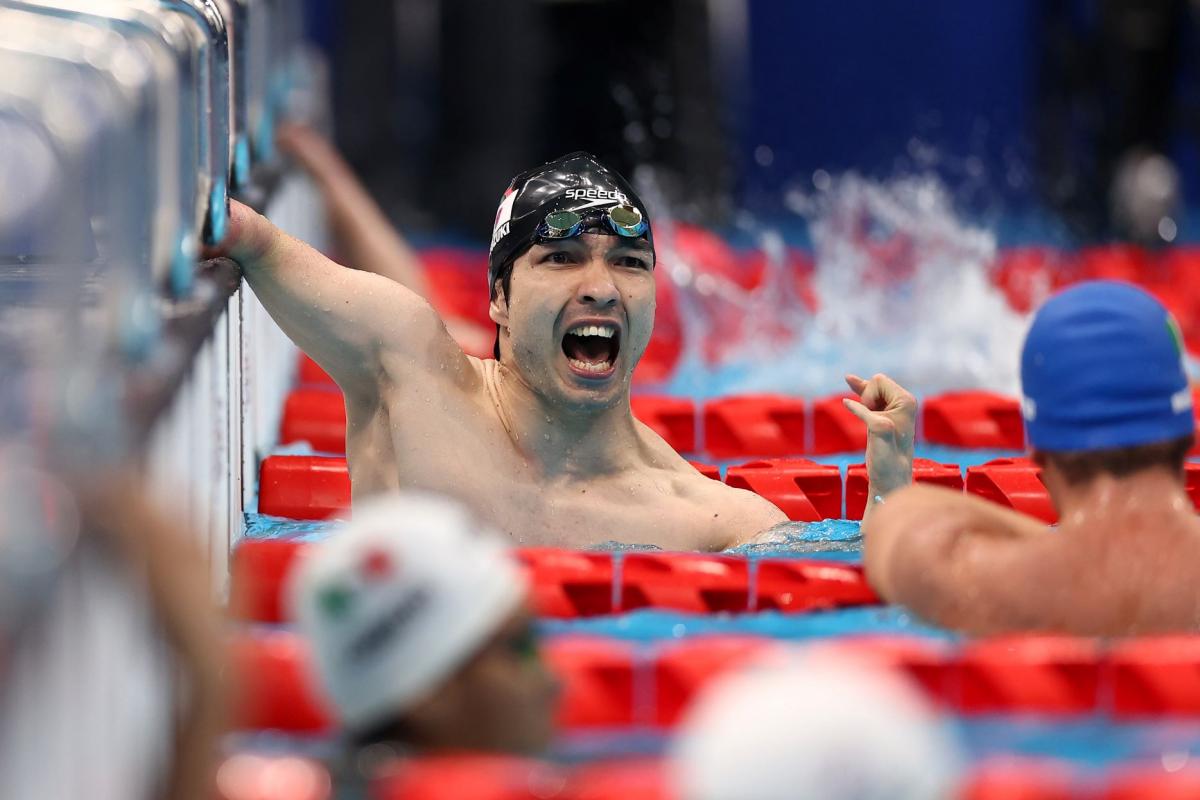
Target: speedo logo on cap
point(593, 193)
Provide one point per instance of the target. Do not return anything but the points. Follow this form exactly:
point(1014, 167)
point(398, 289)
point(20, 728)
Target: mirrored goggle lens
point(626, 221)
point(561, 225)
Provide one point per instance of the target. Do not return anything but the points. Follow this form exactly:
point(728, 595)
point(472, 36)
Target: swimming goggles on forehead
point(623, 220)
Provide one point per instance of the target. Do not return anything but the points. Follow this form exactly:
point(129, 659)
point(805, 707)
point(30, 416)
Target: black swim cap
point(574, 182)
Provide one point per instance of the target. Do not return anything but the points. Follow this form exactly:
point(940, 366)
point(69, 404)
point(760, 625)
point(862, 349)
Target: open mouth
point(592, 349)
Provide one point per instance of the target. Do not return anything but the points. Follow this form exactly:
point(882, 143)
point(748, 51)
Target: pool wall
point(203, 452)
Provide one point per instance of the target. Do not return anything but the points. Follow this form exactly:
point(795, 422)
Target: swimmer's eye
point(633, 262)
point(557, 257)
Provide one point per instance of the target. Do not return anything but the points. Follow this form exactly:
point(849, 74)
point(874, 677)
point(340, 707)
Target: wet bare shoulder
point(735, 515)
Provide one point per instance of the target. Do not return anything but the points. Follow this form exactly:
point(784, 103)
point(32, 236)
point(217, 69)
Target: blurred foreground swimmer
point(814, 725)
point(419, 627)
point(541, 440)
point(1108, 412)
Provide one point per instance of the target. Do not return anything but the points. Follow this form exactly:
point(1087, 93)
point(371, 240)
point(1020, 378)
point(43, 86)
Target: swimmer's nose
point(596, 287)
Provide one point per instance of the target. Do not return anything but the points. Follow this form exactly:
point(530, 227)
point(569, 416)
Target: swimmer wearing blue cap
point(1108, 412)
point(541, 442)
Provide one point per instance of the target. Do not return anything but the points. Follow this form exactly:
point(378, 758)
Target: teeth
point(606, 331)
point(600, 366)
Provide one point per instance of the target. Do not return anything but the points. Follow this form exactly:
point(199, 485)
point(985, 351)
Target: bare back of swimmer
point(542, 441)
point(1108, 411)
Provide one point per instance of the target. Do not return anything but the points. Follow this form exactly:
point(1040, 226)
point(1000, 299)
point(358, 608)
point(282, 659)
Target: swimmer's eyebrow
point(635, 248)
point(571, 243)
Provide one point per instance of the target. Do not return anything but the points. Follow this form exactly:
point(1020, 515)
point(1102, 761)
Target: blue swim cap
point(1103, 368)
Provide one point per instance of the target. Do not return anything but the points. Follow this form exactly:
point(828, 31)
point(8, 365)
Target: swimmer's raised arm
point(955, 560)
point(345, 319)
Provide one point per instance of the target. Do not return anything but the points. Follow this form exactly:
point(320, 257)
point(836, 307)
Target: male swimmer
point(541, 441)
point(421, 635)
point(1108, 412)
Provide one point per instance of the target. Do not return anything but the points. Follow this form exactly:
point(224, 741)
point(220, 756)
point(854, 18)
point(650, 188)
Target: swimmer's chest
point(459, 446)
point(629, 509)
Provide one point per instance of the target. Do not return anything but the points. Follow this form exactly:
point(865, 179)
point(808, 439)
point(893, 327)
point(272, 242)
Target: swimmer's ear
point(498, 308)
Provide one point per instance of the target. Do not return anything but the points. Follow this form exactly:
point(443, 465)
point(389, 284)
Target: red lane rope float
point(929, 663)
point(681, 669)
point(455, 290)
point(316, 416)
point(1017, 484)
point(834, 428)
point(568, 584)
point(624, 779)
point(1152, 782)
point(796, 586)
point(309, 373)
point(472, 777)
point(258, 573)
point(1155, 676)
point(973, 420)
point(1173, 281)
point(275, 687)
point(304, 487)
point(804, 490)
point(610, 683)
point(1013, 482)
point(924, 471)
point(1026, 275)
point(1021, 779)
point(597, 678)
point(672, 418)
point(693, 582)
point(707, 470)
point(754, 425)
point(1043, 674)
point(318, 487)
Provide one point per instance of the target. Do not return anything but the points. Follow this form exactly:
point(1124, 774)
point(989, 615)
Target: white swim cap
point(398, 599)
point(814, 725)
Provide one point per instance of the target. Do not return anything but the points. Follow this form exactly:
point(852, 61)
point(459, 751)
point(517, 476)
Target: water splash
point(899, 283)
